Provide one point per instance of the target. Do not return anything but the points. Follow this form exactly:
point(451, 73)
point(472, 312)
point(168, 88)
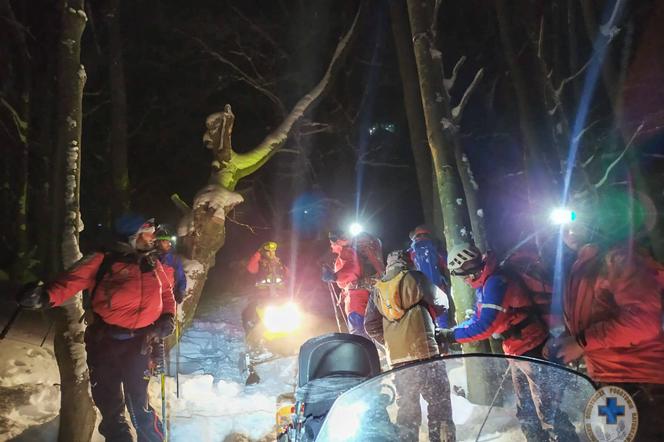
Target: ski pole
point(162, 375)
point(334, 305)
point(10, 322)
point(177, 353)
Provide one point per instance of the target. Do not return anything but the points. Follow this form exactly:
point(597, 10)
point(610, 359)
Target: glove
point(33, 297)
point(165, 325)
point(445, 336)
point(328, 275)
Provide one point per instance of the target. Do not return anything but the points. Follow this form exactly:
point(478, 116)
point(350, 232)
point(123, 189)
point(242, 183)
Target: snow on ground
point(214, 403)
point(29, 392)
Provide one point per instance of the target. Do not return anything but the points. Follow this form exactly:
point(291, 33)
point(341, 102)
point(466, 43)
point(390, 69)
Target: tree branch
point(253, 160)
point(457, 111)
point(620, 157)
point(449, 82)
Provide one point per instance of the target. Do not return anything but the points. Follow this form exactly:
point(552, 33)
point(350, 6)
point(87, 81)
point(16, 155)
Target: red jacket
point(125, 297)
point(348, 272)
point(613, 306)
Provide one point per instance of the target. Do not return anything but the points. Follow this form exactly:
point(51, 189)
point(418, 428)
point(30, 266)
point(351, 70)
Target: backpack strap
point(103, 269)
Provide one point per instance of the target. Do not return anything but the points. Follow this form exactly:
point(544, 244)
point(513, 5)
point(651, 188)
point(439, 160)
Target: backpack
point(527, 270)
point(425, 258)
point(370, 254)
point(388, 297)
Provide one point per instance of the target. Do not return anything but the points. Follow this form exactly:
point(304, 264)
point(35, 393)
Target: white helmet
point(461, 254)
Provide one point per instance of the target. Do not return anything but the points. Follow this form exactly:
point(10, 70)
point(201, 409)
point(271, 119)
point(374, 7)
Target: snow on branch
point(449, 82)
point(457, 111)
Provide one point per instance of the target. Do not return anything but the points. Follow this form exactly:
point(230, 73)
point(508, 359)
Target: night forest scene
point(352, 220)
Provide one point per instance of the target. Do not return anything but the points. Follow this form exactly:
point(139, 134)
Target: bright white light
point(283, 318)
point(346, 421)
point(562, 216)
point(356, 228)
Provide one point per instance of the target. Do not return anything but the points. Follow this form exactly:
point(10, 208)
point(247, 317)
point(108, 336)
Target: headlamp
point(562, 215)
point(355, 229)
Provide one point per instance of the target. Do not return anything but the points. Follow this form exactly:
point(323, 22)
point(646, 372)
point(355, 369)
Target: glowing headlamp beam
point(562, 216)
point(355, 229)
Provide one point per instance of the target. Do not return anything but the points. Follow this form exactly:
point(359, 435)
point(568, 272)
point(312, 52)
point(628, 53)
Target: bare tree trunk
point(413, 105)
point(77, 414)
point(120, 172)
point(440, 133)
point(202, 229)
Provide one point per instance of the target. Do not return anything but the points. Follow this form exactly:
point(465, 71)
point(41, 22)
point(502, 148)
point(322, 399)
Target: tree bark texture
point(118, 150)
point(440, 133)
point(202, 229)
point(77, 413)
point(413, 104)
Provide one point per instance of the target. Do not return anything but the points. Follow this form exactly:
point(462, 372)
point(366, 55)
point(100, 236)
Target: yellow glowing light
point(282, 318)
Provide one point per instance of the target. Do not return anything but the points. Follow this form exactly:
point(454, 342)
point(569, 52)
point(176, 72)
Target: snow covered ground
point(214, 403)
point(29, 392)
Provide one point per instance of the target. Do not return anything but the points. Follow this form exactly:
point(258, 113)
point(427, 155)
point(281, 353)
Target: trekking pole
point(493, 401)
point(162, 376)
point(177, 354)
point(10, 322)
point(334, 304)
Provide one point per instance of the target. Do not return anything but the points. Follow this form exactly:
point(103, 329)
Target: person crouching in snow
point(132, 304)
point(506, 307)
point(171, 261)
point(398, 317)
point(347, 274)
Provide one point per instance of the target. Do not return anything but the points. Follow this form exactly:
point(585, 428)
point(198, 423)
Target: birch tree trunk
point(77, 413)
point(440, 133)
point(413, 103)
point(202, 229)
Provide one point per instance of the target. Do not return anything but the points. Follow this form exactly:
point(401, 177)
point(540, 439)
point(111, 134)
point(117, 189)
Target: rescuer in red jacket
point(613, 312)
point(133, 302)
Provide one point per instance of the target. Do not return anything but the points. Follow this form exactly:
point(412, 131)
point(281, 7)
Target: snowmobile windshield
point(463, 398)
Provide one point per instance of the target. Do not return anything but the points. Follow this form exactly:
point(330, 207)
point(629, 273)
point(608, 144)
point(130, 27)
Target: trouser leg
point(106, 387)
point(546, 391)
point(356, 324)
point(409, 414)
point(135, 380)
point(436, 391)
point(526, 411)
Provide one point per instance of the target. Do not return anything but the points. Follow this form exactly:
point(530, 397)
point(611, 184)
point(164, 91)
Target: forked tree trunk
point(202, 229)
point(77, 414)
point(440, 133)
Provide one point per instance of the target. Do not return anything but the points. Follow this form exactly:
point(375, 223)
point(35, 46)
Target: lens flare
point(562, 216)
point(355, 229)
point(283, 318)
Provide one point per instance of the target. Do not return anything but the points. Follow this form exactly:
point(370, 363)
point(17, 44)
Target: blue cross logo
point(611, 410)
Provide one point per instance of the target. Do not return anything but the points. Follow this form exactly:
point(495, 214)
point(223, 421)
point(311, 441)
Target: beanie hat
point(130, 226)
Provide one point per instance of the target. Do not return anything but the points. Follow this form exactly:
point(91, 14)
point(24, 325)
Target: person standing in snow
point(270, 275)
point(133, 303)
point(429, 257)
point(171, 261)
point(398, 317)
point(506, 308)
point(266, 266)
point(613, 313)
point(350, 277)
